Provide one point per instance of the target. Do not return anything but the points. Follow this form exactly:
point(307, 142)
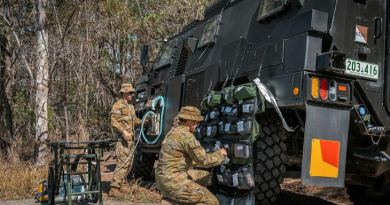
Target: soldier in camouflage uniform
point(180, 153)
point(123, 120)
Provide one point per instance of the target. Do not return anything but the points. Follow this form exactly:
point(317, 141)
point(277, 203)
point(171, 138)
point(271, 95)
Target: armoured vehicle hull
point(326, 63)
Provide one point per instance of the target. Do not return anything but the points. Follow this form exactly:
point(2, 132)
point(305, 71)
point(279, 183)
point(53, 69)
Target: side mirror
point(144, 55)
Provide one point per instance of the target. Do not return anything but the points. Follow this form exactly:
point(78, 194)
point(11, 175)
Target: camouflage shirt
point(180, 152)
point(123, 117)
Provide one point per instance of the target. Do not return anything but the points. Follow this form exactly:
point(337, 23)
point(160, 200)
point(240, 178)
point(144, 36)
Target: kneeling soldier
point(180, 152)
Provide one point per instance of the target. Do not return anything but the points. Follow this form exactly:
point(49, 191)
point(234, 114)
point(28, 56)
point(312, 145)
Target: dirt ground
point(293, 193)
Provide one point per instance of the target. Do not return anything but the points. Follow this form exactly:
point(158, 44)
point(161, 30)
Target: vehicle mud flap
point(325, 146)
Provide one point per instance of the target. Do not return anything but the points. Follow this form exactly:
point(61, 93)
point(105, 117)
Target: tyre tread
point(270, 159)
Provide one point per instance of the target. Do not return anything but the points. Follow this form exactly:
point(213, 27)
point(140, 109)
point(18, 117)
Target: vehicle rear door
point(364, 43)
point(387, 64)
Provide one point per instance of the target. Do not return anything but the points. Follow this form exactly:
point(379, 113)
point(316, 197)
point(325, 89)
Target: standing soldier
point(180, 152)
point(123, 119)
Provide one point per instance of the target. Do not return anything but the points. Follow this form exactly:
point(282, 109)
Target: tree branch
point(69, 19)
point(104, 82)
point(19, 45)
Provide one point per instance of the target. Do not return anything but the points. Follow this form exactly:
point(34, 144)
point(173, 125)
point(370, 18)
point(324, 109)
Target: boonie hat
point(190, 113)
point(127, 88)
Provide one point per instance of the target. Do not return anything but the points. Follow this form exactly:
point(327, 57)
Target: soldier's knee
point(167, 201)
point(211, 200)
point(214, 200)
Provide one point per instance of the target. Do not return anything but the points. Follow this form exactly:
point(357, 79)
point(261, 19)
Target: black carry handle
point(377, 35)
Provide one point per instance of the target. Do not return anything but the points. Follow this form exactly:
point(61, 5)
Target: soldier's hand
point(127, 135)
point(223, 151)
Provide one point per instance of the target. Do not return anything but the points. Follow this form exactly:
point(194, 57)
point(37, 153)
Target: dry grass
point(140, 194)
point(19, 180)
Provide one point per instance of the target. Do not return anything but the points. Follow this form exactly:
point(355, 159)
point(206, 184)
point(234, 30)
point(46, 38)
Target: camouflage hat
point(190, 113)
point(127, 88)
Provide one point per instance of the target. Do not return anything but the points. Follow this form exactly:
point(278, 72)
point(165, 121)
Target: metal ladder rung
point(73, 163)
point(82, 156)
point(77, 173)
point(87, 192)
point(75, 184)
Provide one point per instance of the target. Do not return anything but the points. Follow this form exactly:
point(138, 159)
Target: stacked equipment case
point(230, 123)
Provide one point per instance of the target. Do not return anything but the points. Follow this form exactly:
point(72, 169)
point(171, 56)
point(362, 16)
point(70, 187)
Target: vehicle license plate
point(361, 69)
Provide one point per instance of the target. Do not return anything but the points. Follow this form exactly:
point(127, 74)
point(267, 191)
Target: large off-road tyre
point(143, 163)
point(361, 196)
point(270, 157)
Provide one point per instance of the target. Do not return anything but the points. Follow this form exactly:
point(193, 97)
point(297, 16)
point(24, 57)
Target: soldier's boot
point(167, 201)
point(125, 188)
point(115, 192)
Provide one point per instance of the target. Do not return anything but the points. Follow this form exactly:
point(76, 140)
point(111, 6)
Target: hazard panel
point(325, 146)
point(325, 158)
point(361, 34)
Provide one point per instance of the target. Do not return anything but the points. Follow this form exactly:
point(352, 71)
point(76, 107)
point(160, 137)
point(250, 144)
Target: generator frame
point(64, 165)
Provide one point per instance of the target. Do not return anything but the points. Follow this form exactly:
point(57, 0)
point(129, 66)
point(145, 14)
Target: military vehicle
point(327, 64)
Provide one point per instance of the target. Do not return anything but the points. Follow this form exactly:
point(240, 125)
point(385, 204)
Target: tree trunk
point(66, 102)
point(6, 116)
point(41, 127)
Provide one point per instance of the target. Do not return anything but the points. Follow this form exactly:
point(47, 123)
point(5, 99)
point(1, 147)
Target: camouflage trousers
point(122, 150)
point(193, 192)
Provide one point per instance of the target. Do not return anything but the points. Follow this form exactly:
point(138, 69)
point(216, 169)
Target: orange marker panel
point(325, 157)
point(330, 152)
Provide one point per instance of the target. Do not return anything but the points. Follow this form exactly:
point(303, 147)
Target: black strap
point(234, 63)
point(239, 66)
point(224, 83)
point(208, 45)
point(235, 57)
point(209, 88)
point(262, 60)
